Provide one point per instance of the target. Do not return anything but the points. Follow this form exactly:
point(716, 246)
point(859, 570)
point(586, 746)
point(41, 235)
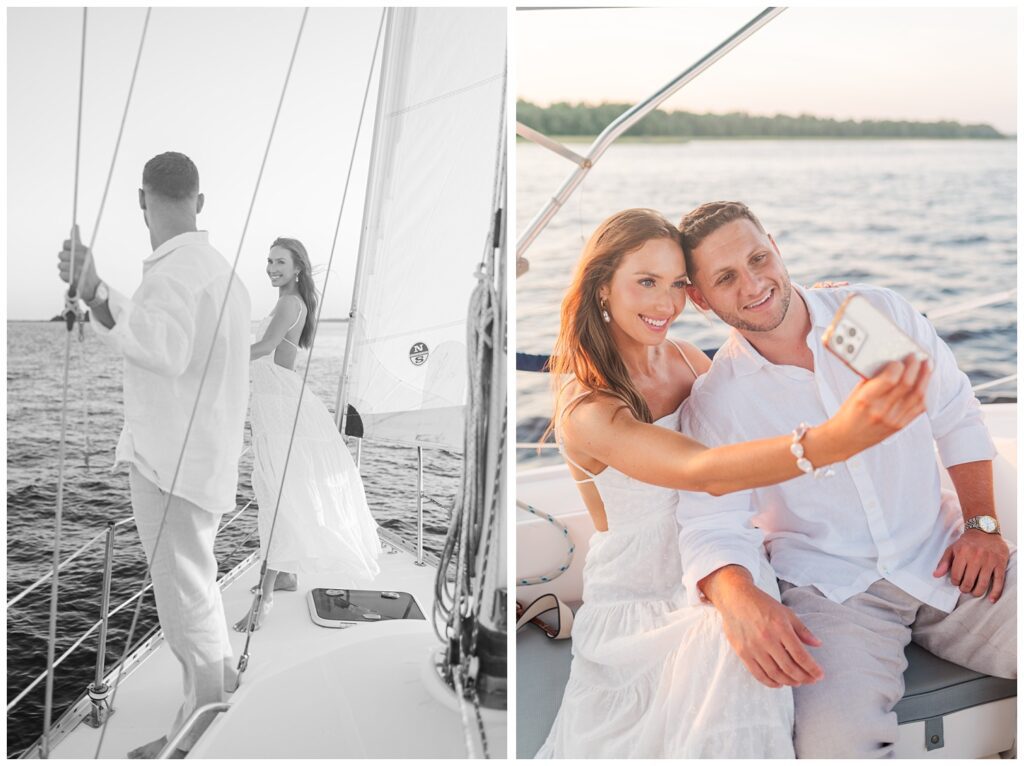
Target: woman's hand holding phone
point(882, 405)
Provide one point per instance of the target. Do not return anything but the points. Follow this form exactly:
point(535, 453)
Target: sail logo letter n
point(418, 353)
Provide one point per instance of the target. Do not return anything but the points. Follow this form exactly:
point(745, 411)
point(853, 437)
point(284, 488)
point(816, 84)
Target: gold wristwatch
point(986, 524)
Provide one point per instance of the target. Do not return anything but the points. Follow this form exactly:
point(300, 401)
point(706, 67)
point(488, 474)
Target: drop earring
point(604, 313)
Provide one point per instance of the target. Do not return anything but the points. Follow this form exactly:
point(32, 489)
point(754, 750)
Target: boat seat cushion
point(934, 687)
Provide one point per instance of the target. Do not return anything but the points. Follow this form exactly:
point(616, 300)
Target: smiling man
point(869, 557)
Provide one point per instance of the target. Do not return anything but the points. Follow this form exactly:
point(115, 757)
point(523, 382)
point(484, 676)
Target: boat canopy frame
point(617, 127)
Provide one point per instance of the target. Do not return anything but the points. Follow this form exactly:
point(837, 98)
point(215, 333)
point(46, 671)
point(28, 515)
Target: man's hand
point(84, 266)
point(767, 636)
point(976, 561)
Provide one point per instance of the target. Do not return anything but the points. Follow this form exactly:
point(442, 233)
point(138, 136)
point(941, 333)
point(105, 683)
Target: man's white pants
point(849, 714)
point(188, 600)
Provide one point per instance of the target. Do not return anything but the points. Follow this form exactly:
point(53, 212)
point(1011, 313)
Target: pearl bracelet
point(803, 463)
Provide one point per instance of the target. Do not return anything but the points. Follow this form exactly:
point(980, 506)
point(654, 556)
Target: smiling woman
point(617, 429)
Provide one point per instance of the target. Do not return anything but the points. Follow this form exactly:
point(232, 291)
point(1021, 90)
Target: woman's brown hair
point(584, 347)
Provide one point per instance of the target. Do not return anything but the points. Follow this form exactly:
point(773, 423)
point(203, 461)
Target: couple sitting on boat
point(185, 338)
point(684, 646)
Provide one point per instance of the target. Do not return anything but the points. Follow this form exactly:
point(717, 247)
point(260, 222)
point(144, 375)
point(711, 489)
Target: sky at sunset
point(860, 63)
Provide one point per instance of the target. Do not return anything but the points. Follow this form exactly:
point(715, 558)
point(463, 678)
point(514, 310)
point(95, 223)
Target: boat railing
point(98, 690)
point(617, 127)
point(420, 494)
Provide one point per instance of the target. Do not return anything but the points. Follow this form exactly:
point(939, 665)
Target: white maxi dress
point(652, 677)
point(324, 523)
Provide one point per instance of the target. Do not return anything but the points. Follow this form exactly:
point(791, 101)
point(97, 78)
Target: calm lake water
point(933, 220)
point(93, 496)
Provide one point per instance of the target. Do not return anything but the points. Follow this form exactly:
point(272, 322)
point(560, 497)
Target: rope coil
point(555, 573)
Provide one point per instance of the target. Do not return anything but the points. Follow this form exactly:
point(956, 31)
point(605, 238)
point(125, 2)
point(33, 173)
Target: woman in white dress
point(652, 677)
point(323, 524)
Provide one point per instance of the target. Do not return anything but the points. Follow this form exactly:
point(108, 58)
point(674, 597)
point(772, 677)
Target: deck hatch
point(343, 608)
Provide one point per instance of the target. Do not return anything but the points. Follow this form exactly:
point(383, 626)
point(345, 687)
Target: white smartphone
point(865, 339)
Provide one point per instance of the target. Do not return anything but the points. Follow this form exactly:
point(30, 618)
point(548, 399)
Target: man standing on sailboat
point(185, 396)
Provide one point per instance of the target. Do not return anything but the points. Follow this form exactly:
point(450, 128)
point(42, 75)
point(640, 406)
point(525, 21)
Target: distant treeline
point(563, 119)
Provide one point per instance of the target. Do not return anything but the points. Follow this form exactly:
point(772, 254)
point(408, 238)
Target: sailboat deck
point(363, 691)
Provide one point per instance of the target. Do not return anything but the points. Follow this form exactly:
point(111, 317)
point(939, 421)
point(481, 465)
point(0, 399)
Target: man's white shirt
point(882, 515)
point(165, 331)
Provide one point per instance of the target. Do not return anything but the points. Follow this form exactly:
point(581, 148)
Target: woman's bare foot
point(284, 581)
point(152, 750)
point(242, 626)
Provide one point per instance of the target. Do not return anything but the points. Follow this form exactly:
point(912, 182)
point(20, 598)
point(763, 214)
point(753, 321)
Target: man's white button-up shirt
point(165, 331)
point(881, 515)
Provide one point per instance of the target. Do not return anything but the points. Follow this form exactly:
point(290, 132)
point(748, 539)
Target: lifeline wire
point(258, 599)
point(51, 642)
point(206, 368)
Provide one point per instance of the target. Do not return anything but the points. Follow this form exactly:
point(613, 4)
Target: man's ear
point(142, 199)
point(199, 203)
point(698, 298)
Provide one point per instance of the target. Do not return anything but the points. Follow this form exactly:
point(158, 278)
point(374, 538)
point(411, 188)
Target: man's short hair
point(171, 175)
point(700, 222)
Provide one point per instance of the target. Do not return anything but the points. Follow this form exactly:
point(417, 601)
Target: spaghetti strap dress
point(651, 676)
point(324, 523)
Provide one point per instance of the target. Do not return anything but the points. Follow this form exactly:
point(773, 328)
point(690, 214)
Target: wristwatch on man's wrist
point(984, 523)
point(101, 295)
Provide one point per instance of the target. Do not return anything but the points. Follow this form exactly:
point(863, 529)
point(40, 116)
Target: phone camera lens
point(850, 348)
point(851, 332)
point(839, 340)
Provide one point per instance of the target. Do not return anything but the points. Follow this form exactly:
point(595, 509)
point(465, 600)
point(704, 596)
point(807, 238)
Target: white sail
point(429, 211)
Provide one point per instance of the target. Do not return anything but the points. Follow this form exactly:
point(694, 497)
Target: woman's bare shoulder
point(700, 361)
point(287, 308)
point(586, 411)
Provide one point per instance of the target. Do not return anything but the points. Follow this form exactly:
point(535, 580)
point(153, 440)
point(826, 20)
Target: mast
point(492, 568)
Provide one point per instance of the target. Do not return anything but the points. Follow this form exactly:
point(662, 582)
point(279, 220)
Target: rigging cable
point(72, 309)
point(258, 598)
point(77, 290)
point(456, 614)
point(51, 642)
point(206, 368)
point(494, 331)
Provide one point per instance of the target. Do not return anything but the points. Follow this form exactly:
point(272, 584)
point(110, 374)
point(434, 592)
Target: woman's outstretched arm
point(606, 431)
point(285, 314)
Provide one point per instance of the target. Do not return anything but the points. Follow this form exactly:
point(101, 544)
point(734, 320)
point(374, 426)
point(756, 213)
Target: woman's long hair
point(304, 281)
point(584, 347)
